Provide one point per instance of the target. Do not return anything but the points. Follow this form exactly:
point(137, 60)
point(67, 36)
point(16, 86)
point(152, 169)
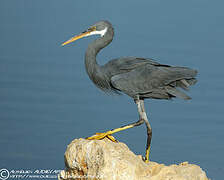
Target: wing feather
point(155, 79)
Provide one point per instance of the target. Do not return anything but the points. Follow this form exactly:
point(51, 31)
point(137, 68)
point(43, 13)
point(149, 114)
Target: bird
point(139, 78)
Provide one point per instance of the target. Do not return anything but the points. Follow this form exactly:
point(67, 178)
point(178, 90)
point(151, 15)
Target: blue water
point(47, 99)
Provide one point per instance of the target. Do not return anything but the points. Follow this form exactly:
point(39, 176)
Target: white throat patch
point(101, 33)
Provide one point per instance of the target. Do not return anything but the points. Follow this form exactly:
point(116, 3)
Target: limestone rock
point(106, 160)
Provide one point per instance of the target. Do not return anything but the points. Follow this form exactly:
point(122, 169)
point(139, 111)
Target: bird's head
point(100, 28)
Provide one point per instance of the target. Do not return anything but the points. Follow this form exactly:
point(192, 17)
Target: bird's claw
point(99, 136)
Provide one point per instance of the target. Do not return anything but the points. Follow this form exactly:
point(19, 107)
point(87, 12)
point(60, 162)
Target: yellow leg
point(147, 154)
point(149, 130)
point(143, 118)
point(107, 134)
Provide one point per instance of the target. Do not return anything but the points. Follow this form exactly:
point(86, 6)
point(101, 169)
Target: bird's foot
point(99, 136)
point(146, 160)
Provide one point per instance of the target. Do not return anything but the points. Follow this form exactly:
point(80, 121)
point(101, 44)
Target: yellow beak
point(76, 37)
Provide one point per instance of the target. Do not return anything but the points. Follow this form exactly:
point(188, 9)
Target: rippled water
point(46, 98)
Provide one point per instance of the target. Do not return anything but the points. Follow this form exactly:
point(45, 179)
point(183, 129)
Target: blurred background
point(47, 99)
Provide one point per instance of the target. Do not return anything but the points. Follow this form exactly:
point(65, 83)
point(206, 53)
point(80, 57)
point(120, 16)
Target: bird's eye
point(92, 28)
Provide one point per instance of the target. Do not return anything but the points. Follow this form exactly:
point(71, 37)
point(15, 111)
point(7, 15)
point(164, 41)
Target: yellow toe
point(99, 136)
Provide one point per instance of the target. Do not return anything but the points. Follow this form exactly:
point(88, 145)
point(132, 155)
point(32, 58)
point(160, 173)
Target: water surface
point(47, 99)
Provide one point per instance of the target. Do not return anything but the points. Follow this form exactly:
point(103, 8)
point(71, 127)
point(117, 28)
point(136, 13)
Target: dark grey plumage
point(140, 78)
point(137, 77)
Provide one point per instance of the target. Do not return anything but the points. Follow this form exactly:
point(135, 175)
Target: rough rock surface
point(106, 160)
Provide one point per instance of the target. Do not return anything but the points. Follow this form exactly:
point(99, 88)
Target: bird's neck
point(93, 49)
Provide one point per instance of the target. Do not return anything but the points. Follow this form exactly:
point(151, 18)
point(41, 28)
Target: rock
point(106, 160)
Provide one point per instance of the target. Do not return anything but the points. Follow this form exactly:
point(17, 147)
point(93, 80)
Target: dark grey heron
point(139, 78)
